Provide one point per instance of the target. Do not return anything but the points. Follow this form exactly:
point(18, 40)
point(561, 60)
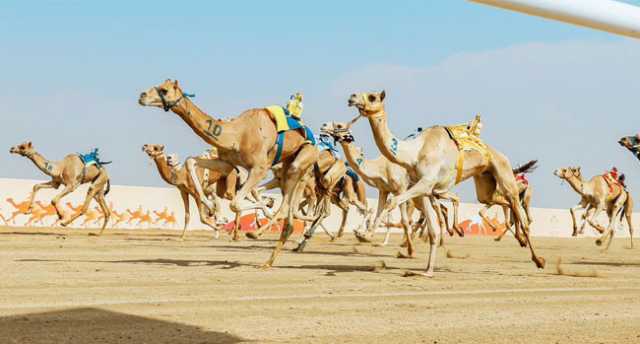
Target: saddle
point(92, 158)
point(286, 122)
point(613, 180)
point(467, 138)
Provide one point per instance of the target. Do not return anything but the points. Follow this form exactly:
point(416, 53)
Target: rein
point(168, 105)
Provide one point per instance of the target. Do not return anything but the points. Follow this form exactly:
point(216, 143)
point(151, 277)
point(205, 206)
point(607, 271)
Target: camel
point(435, 164)
point(525, 191)
point(600, 193)
point(22, 208)
point(179, 177)
point(248, 141)
point(632, 143)
point(70, 172)
point(387, 177)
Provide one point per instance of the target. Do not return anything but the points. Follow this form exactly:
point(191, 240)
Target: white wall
point(547, 222)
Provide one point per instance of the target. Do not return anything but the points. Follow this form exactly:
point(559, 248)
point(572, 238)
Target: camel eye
point(372, 98)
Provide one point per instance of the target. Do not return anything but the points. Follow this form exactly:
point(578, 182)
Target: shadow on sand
point(94, 325)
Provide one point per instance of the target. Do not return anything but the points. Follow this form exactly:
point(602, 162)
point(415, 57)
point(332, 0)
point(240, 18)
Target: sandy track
point(145, 287)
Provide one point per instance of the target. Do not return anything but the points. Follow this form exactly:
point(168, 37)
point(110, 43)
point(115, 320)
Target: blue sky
point(73, 70)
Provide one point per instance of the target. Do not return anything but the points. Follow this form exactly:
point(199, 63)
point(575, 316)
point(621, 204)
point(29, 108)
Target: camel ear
point(29, 144)
point(175, 84)
point(383, 94)
point(162, 147)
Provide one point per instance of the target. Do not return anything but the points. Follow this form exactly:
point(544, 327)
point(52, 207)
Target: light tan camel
point(435, 165)
point(48, 211)
point(179, 177)
point(388, 178)
point(249, 141)
point(70, 172)
point(600, 193)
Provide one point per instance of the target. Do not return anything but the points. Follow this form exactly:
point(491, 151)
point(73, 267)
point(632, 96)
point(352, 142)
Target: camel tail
point(106, 192)
point(526, 168)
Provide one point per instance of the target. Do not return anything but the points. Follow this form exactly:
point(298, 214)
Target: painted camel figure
point(600, 193)
point(179, 177)
point(435, 164)
point(48, 210)
point(119, 218)
point(70, 172)
point(134, 215)
point(632, 143)
point(21, 208)
point(249, 141)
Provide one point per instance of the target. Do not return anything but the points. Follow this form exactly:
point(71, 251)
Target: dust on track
point(146, 287)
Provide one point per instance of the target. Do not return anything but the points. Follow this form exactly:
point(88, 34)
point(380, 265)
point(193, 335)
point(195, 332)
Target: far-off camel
point(70, 172)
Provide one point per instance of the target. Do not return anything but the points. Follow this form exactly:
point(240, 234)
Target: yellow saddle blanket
point(284, 122)
point(467, 138)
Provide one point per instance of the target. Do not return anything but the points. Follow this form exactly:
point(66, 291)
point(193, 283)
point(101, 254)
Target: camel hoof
point(251, 235)
point(265, 267)
point(497, 239)
point(540, 262)
point(93, 234)
point(401, 255)
point(599, 242)
point(362, 238)
point(300, 247)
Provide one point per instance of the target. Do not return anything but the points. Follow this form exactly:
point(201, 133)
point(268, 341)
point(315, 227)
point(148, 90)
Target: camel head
point(24, 149)
point(368, 104)
point(630, 142)
point(153, 151)
point(165, 96)
point(340, 131)
point(568, 172)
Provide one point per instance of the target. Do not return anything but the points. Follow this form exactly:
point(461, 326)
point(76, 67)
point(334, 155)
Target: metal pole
point(607, 15)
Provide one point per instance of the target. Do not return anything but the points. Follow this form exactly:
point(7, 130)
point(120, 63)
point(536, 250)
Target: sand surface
point(145, 287)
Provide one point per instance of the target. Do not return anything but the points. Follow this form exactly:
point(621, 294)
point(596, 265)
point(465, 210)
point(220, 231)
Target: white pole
point(607, 15)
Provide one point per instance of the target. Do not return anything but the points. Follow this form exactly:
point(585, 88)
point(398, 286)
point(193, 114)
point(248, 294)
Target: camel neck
point(387, 143)
point(216, 132)
point(356, 159)
point(164, 169)
point(577, 184)
point(43, 164)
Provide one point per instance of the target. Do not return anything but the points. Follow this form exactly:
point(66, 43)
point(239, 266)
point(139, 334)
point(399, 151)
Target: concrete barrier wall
point(159, 207)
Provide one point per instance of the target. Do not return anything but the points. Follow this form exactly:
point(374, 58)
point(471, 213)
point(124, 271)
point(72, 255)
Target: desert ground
point(63, 286)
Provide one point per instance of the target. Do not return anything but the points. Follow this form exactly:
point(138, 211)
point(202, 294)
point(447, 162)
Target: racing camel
point(70, 172)
point(632, 143)
point(214, 184)
point(249, 141)
point(435, 164)
point(601, 193)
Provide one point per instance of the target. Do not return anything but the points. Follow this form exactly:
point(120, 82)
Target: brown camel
point(70, 172)
point(249, 141)
point(179, 177)
point(525, 191)
point(600, 193)
point(435, 164)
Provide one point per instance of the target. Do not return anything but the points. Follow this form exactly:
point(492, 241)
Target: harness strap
point(280, 146)
point(459, 166)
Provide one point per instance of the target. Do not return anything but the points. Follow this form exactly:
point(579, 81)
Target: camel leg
point(588, 209)
point(382, 200)
point(105, 210)
point(507, 223)
point(435, 204)
point(324, 213)
point(404, 218)
point(187, 212)
point(573, 219)
point(91, 193)
point(343, 222)
point(628, 213)
point(56, 200)
point(304, 160)
point(592, 219)
point(455, 202)
point(38, 187)
point(613, 216)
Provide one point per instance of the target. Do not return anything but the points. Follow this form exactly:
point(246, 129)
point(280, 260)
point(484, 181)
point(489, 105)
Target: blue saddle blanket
point(92, 159)
point(351, 173)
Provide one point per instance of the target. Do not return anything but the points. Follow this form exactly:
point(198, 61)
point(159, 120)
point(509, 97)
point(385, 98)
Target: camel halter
point(168, 105)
